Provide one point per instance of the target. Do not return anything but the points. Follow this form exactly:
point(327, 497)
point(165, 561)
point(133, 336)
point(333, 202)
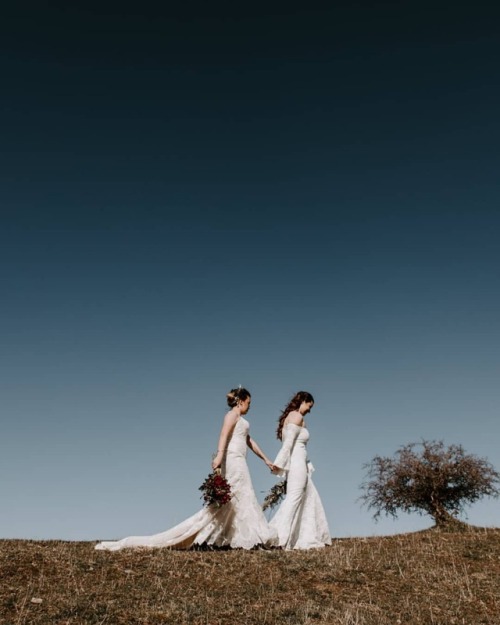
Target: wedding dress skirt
point(300, 520)
point(237, 524)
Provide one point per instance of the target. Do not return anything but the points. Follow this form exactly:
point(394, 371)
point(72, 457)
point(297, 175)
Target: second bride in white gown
point(240, 523)
point(300, 520)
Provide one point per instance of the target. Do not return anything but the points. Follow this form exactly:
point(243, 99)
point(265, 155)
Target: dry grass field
point(430, 577)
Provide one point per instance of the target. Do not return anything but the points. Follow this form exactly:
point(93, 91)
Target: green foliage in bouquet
point(275, 495)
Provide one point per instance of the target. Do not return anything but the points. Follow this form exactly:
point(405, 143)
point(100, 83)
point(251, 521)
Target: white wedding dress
point(238, 524)
point(300, 520)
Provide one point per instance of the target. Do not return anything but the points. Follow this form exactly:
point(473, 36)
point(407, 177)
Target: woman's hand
point(217, 461)
point(269, 464)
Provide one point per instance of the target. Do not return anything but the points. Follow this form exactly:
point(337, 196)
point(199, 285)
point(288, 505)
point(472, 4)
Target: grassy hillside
point(426, 577)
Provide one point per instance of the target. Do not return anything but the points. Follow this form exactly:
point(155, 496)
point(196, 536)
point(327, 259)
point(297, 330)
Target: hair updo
point(236, 395)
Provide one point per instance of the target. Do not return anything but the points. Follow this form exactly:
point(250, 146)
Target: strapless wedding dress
point(238, 524)
point(300, 520)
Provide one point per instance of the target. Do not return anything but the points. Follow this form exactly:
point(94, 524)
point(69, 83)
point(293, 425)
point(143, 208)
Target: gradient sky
point(286, 198)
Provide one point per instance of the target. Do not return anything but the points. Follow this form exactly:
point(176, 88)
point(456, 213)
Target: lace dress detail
point(300, 520)
point(238, 524)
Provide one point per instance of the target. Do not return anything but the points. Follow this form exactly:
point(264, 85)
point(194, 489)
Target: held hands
point(274, 469)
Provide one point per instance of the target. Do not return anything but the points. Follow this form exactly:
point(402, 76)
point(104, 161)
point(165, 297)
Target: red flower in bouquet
point(216, 490)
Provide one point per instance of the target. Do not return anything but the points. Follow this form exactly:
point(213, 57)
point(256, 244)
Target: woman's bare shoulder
point(231, 417)
point(295, 417)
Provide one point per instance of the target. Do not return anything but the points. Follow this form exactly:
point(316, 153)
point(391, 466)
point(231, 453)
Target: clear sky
point(198, 197)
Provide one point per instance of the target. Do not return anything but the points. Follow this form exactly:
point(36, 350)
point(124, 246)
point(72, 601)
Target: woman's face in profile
point(305, 407)
point(245, 405)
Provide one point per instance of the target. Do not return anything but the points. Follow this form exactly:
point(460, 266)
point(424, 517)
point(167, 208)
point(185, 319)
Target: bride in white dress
point(240, 523)
point(300, 520)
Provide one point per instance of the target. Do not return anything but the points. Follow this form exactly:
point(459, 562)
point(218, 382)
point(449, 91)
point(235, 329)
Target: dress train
point(238, 524)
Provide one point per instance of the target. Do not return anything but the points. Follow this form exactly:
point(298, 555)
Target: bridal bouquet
point(275, 495)
point(216, 490)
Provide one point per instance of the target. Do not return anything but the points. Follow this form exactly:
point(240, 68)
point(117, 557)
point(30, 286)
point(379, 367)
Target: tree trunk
point(444, 520)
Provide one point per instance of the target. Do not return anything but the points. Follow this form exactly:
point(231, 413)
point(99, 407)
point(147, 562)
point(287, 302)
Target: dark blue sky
point(199, 196)
point(104, 109)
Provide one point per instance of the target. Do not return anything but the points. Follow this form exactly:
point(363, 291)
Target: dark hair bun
point(236, 395)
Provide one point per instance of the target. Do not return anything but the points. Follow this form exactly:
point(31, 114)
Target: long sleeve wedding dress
point(300, 520)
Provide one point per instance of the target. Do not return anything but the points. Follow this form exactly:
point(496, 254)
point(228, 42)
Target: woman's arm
point(258, 451)
point(282, 461)
point(226, 430)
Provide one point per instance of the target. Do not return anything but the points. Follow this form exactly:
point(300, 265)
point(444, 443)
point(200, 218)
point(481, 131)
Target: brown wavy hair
point(236, 395)
point(293, 404)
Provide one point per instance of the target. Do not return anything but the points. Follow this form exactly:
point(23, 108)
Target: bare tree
point(428, 478)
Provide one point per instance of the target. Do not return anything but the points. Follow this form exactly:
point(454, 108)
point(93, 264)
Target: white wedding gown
point(238, 524)
point(300, 520)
